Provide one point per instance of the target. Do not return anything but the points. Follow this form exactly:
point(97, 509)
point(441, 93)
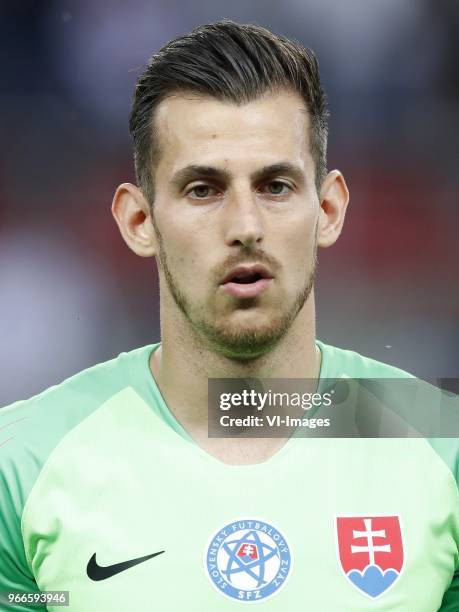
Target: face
point(235, 216)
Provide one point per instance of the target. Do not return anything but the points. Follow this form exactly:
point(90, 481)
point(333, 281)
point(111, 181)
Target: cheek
point(186, 260)
point(299, 257)
point(184, 234)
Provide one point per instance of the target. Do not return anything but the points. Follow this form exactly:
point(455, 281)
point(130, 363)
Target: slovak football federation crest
point(248, 560)
point(370, 551)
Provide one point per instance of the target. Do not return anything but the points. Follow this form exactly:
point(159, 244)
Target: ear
point(334, 198)
point(133, 216)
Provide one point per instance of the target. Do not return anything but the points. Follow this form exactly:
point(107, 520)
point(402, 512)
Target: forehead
point(200, 129)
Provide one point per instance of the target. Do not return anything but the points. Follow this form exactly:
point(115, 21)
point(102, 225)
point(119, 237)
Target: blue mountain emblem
point(372, 580)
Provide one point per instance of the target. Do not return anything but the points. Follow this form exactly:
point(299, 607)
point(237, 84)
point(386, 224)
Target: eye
point(276, 188)
point(201, 192)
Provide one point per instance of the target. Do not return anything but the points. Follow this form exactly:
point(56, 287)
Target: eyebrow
point(193, 172)
point(286, 168)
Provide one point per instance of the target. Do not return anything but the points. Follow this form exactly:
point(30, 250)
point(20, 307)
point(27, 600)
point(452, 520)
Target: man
point(113, 490)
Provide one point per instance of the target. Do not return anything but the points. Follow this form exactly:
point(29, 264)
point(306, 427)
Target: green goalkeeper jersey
point(104, 495)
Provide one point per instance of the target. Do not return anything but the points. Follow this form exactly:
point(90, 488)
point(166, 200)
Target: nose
point(243, 220)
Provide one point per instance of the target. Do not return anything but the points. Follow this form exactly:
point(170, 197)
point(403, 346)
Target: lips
point(247, 281)
point(247, 274)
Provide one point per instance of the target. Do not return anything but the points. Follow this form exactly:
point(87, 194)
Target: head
point(229, 125)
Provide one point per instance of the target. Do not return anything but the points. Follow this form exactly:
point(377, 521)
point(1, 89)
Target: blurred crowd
point(71, 292)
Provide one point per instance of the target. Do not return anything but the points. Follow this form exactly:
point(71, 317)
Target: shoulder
point(31, 429)
point(67, 402)
point(427, 407)
point(338, 362)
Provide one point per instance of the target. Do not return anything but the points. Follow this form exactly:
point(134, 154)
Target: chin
point(246, 342)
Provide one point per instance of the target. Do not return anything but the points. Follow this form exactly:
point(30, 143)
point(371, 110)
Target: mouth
point(247, 281)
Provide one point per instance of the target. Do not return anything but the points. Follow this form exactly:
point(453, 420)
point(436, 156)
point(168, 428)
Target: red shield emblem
point(248, 552)
point(370, 550)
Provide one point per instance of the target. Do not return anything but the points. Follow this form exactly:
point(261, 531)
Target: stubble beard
point(236, 341)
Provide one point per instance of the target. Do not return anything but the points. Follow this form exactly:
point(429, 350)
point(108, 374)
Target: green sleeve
point(448, 450)
point(15, 574)
point(450, 601)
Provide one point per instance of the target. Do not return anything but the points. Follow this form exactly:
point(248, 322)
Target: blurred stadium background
point(72, 294)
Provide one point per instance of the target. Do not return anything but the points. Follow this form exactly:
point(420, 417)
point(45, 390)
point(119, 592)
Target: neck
point(183, 364)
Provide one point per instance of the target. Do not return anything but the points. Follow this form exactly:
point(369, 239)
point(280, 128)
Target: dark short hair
point(231, 62)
